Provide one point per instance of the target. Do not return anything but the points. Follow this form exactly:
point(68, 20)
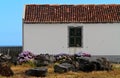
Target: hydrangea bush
point(25, 56)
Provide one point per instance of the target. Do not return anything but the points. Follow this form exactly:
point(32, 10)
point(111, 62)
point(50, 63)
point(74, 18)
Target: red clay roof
point(72, 13)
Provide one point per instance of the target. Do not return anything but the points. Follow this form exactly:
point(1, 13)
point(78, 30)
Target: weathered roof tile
point(72, 13)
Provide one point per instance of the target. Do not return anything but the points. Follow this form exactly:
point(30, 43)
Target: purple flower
point(25, 56)
point(83, 54)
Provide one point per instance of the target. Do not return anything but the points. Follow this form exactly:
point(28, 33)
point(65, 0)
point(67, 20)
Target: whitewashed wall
point(98, 39)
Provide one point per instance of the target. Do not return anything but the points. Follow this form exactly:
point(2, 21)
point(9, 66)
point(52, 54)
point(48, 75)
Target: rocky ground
point(19, 72)
point(57, 66)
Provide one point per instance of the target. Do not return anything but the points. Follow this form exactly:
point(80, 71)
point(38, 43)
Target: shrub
point(25, 56)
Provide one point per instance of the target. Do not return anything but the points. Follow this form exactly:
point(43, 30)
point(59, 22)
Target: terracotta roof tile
point(72, 13)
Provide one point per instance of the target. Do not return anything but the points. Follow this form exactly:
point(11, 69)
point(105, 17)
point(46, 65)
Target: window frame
point(75, 45)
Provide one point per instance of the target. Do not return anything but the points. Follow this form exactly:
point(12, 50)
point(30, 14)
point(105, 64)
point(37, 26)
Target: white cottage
point(54, 29)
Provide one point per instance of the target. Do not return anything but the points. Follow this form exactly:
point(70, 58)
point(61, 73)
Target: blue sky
point(11, 12)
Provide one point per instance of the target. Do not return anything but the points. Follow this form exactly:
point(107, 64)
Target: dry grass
point(20, 69)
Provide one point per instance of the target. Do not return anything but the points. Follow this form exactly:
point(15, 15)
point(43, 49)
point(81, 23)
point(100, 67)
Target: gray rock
point(42, 60)
point(64, 67)
point(52, 59)
point(37, 72)
point(40, 63)
point(4, 58)
point(104, 63)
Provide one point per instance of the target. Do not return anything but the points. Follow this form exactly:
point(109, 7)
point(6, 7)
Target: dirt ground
point(20, 69)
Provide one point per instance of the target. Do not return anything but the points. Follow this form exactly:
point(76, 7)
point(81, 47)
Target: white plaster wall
point(98, 39)
point(102, 39)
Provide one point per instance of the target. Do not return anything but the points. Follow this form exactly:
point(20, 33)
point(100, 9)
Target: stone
point(105, 64)
point(64, 67)
point(5, 69)
point(4, 58)
point(42, 60)
point(69, 66)
point(60, 69)
point(40, 63)
point(97, 65)
point(51, 59)
point(37, 72)
point(84, 65)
